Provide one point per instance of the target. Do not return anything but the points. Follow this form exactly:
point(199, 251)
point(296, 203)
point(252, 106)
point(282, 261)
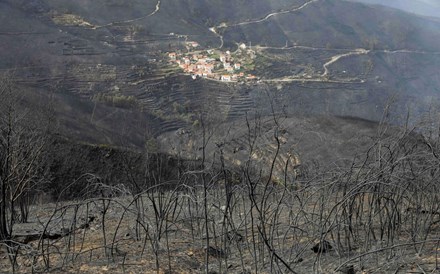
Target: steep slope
point(340, 24)
point(104, 61)
point(306, 144)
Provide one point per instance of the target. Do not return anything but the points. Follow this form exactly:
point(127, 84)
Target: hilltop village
point(215, 64)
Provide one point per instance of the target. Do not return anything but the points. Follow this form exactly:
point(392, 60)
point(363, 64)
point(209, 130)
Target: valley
point(128, 79)
point(119, 61)
point(206, 136)
point(142, 72)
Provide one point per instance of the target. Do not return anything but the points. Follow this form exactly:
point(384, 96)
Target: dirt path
point(336, 58)
point(305, 80)
point(267, 17)
point(324, 76)
point(319, 78)
point(214, 30)
point(407, 51)
point(131, 20)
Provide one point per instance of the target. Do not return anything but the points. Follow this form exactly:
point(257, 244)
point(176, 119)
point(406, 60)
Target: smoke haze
point(421, 7)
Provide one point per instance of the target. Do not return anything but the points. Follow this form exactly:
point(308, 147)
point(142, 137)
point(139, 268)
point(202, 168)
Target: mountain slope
point(104, 60)
point(421, 7)
point(339, 24)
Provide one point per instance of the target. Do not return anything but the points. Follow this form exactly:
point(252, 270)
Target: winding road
point(318, 78)
point(407, 51)
point(324, 76)
point(267, 17)
point(255, 21)
point(214, 30)
point(335, 58)
point(130, 20)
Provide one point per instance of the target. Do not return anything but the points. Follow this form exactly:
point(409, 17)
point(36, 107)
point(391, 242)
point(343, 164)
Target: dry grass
point(379, 215)
point(71, 20)
point(293, 229)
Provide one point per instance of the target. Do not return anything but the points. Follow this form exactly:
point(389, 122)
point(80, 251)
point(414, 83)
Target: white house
point(226, 78)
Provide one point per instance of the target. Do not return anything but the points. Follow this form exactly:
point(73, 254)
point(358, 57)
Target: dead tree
point(22, 144)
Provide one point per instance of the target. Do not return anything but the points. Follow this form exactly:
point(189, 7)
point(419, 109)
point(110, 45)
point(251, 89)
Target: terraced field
point(111, 56)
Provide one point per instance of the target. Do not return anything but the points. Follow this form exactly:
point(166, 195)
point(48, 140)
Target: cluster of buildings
point(210, 64)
